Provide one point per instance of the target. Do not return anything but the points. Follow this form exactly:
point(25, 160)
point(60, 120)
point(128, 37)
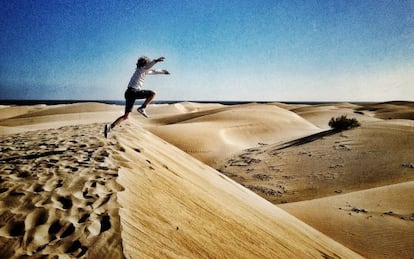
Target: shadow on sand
point(33, 156)
point(308, 139)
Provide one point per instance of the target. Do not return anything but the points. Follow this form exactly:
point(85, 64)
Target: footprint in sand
point(56, 191)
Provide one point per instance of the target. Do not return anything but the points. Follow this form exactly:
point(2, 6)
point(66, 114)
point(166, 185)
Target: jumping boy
point(134, 91)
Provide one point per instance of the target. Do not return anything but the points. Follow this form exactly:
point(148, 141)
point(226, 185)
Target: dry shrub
point(343, 123)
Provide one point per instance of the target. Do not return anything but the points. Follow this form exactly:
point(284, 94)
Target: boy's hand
point(160, 59)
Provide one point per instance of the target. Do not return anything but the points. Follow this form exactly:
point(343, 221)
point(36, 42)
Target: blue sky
point(289, 50)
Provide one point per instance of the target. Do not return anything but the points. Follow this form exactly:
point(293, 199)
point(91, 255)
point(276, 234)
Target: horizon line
point(121, 102)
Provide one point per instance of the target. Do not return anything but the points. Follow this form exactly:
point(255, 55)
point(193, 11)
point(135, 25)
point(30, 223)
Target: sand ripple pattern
point(58, 194)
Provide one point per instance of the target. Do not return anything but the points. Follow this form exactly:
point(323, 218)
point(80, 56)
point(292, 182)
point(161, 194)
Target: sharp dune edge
point(66, 191)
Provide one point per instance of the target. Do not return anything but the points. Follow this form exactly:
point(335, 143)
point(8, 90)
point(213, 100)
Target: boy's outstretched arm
point(160, 59)
point(158, 72)
point(153, 62)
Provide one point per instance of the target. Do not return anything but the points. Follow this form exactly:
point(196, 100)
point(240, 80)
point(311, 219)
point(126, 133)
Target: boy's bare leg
point(109, 127)
point(119, 120)
point(148, 100)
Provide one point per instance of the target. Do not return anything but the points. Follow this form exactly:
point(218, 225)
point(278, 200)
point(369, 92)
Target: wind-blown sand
point(66, 190)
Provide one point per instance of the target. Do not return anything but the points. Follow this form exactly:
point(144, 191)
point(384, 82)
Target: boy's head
point(143, 61)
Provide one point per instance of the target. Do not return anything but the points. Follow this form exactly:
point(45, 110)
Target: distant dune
point(215, 133)
point(377, 222)
point(150, 190)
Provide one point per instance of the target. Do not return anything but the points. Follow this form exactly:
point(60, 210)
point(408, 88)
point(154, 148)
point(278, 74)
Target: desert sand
point(207, 181)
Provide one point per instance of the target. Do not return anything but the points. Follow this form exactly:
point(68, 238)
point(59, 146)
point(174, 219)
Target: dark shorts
point(131, 94)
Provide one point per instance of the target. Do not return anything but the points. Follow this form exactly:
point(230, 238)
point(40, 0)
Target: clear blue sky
point(311, 50)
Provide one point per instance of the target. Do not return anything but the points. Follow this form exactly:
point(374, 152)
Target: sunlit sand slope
point(379, 222)
point(320, 115)
point(391, 110)
point(220, 132)
point(354, 185)
point(60, 196)
point(328, 163)
point(16, 119)
point(175, 206)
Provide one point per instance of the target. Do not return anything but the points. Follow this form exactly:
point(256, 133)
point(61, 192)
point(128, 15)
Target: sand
point(214, 133)
point(176, 206)
point(327, 178)
point(58, 194)
point(285, 186)
point(378, 222)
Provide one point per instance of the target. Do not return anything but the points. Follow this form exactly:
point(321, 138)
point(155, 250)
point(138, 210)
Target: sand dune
point(175, 206)
point(15, 119)
point(14, 111)
point(67, 191)
point(370, 156)
point(212, 134)
point(171, 110)
point(372, 164)
point(321, 114)
point(379, 222)
point(391, 110)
